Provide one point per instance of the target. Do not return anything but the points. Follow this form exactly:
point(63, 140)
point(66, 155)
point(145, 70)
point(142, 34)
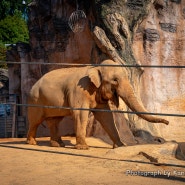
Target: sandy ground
point(22, 164)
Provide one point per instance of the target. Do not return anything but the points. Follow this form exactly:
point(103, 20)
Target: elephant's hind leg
point(32, 134)
point(53, 124)
point(34, 119)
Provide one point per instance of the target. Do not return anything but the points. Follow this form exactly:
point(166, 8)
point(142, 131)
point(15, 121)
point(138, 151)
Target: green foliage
point(4, 8)
point(9, 7)
point(13, 29)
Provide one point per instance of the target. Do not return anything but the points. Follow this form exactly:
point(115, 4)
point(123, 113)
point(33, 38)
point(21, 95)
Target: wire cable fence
point(94, 109)
point(95, 65)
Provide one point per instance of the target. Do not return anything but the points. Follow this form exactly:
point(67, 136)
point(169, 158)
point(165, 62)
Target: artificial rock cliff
point(160, 40)
point(130, 32)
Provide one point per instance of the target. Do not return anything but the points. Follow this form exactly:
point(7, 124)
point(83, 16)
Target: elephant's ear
point(95, 76)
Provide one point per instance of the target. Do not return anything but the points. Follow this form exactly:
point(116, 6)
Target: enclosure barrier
point(89, 109)
point(95, 110)
point(95, 65)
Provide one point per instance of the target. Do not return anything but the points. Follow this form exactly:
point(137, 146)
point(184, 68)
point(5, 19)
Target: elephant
point(89, 87)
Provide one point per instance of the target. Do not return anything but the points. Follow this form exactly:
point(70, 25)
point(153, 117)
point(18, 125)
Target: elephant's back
point(56, 80)
point(64, 73)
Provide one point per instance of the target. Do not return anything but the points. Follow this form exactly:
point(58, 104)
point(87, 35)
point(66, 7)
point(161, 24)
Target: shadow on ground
point(70, 146)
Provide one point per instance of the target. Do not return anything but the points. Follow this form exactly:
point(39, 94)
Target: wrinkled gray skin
point(86, 87)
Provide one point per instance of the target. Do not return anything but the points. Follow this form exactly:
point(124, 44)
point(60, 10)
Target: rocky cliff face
point(160, 40)
point(4, 82)
point(131, 32)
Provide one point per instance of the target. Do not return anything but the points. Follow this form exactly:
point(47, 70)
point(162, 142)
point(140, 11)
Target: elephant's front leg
point(81, 118)
point(107, 121)
point(53, 124)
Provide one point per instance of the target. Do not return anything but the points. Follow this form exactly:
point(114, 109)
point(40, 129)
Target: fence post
point(14, 120)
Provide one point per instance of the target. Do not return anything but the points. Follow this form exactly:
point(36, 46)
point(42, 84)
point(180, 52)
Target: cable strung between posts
point(94, 110)
point(95, 65)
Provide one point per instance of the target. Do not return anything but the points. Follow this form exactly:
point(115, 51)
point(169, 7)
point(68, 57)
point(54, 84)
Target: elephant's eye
point(115, 81)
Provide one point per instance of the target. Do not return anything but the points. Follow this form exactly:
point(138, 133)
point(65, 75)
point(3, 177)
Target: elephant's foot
point(58, 143)
point(120, 144)
point(81, 147)
point(31, 141)
point(81, 144)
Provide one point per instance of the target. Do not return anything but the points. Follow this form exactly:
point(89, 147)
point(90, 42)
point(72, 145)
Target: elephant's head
point(113, 82)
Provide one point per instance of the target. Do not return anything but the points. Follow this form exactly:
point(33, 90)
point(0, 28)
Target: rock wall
point(125, 32)
point(160, 40)
point(52, 41)
point(4, 82)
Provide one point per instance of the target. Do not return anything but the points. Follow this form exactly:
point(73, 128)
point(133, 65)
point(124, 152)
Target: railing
point(92, 110)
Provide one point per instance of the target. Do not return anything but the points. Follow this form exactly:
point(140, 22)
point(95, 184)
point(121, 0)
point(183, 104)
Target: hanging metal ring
point(77, 21)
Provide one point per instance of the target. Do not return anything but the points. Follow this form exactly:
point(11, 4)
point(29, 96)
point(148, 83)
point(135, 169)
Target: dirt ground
point(22, 164)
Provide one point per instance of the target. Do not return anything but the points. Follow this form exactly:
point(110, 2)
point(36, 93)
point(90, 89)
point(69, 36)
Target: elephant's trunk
point(126, 92)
